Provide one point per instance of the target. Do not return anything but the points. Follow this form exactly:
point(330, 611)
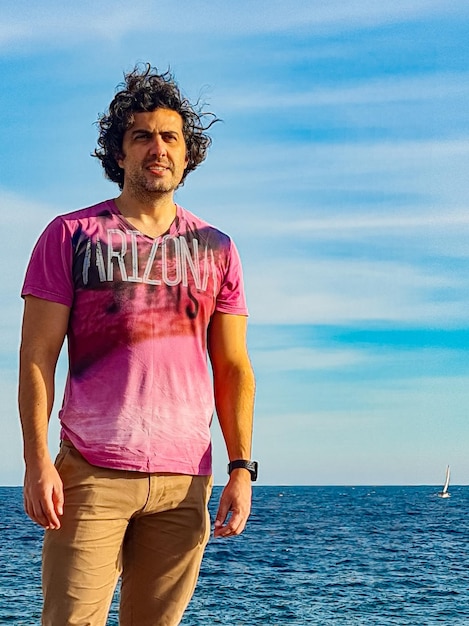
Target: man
point(142, 289)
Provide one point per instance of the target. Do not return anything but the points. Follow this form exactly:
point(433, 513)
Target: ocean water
point(311, 555)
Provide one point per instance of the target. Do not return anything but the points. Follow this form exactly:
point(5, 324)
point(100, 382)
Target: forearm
point(44, 327)
point(36, 398)
point(234, 399)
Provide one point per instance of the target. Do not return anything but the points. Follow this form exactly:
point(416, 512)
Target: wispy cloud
point(57, 24)
point(54, 23)
point(307, 359)
point(427, 166)
point(22, 221)
point(350, 291)
point(383, 90)
point(335, 226)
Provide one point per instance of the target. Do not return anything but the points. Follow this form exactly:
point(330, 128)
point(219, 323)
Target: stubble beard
point(146, 190)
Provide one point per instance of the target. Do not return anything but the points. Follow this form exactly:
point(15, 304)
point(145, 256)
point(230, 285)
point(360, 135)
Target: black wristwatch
point(251, 466)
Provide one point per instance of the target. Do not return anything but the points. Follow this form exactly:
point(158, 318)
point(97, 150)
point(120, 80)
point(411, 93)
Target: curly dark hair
point(145, 90)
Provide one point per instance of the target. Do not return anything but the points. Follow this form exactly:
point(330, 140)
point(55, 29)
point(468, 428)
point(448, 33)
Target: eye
point(141, 136)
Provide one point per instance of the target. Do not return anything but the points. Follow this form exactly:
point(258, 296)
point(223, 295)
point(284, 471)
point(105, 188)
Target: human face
point(153, 154)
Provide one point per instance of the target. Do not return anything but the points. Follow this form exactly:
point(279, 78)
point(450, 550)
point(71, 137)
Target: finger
point(222, 513)
point(53, 522)
point(35, 512)
point(234, 526)
point(222, 528)
point(237, 522)
point(58, 500)
point(43, 512)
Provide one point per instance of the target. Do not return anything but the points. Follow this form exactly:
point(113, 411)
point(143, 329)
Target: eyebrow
point(148, 131)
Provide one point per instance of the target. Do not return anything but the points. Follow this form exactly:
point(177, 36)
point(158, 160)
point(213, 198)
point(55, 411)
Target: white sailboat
point(445, 493)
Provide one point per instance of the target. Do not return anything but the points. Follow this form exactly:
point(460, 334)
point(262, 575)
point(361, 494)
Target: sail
point(445, 493)
point(445, 488)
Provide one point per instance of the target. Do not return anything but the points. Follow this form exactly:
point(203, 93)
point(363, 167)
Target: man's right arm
point(44, 327)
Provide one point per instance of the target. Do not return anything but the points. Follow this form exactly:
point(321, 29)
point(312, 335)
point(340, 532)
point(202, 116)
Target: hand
point(43, 495)
point(235, 505)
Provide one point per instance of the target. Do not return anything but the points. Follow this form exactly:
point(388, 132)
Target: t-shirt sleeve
point(49, 273)
point(231, 297)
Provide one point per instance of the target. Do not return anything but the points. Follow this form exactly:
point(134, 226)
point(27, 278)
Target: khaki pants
point(149, 528)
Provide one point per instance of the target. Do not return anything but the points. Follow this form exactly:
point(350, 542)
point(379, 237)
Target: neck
point(152, 215)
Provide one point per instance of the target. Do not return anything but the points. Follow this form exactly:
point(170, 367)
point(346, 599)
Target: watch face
point(253, 470)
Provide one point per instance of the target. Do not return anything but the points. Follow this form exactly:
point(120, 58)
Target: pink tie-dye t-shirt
point(138, 394)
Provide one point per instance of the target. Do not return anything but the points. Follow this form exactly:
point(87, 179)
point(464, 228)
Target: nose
point(158, 147)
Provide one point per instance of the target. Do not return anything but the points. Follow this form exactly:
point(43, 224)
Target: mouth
point(157, 168)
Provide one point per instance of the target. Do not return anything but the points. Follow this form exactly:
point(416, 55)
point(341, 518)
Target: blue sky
point(341, 169)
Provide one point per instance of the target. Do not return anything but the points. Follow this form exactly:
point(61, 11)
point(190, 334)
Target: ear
point(120, 160)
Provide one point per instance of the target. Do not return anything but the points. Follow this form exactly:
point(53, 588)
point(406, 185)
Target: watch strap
point(251, 466)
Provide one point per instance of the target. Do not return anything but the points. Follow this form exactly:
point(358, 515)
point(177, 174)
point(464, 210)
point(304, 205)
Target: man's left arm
point(234, 388)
